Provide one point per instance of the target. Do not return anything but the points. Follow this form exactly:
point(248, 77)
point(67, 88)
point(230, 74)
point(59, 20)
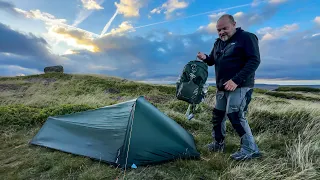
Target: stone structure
point(50, 69)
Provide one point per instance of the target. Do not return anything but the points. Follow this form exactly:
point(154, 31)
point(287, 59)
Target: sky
point(151, 41)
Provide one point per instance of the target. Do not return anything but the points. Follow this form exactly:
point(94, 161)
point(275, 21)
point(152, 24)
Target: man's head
point(226, 27)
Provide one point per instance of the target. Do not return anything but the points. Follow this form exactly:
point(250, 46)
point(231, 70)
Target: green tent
point(126, 134)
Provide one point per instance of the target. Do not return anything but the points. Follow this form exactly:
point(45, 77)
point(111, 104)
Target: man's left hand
point(230, 85)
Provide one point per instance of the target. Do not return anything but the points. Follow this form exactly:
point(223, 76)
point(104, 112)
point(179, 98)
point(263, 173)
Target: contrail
point(106, 27)
point(84, 14)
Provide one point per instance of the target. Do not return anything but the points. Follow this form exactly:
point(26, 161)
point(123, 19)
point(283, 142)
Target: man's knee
point(217, 116)
point(236, 122)
point(248, 99)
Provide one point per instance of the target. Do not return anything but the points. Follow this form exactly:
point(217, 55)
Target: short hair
point(230, 17)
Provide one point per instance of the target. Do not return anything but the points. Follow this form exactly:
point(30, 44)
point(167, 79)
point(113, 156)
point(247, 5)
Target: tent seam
point(134, 108)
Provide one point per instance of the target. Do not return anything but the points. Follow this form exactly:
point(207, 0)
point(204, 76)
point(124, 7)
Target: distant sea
point(274, 86)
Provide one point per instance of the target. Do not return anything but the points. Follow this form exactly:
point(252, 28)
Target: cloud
point(245, 20)
point(160, 54)
point(294, 57)
point(169, 7)
point(211, 27)
point(17, 43)
point(256, 17)
point(83, 40)
point(130, 8)
point(75, 38)
point(25, 50)
point(14, 70)
point(163, 55)
point(317, 20)
point(123, 27)
point(58, 29)
point(140, 57)
point(272, 2)
point(91, 5)
point(269, 33)
point(9, 7)
point(155, 55)
point(49, 19)
point(277, 1)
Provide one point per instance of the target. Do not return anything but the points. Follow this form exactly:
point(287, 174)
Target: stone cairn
point(53, 69)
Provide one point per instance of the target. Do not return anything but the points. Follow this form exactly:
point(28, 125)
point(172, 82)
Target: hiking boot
point(243, 155)
point(216, 147)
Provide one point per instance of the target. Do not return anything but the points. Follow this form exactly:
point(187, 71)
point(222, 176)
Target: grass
point(298, 88)
point(286, 129)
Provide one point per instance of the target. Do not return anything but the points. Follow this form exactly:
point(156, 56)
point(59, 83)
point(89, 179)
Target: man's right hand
point(201, 56)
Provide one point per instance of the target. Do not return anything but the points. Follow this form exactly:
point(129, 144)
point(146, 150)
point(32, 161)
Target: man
point(236, 57)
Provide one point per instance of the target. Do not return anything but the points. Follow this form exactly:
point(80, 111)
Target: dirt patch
point(9, 87)
point(45, 81)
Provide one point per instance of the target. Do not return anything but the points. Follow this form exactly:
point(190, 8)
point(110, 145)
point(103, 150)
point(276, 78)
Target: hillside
point(285, 123)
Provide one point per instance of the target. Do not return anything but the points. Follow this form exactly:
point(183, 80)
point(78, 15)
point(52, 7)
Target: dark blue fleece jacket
point(236, 59)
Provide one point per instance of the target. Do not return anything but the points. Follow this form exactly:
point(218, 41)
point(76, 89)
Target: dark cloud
point(10, 8)
point(22, 44)
point(25, 50)
point(141, 57)
point(162, 55)
point(296, 57)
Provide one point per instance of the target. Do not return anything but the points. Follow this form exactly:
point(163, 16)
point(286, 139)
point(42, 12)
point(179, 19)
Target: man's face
point(225, 28)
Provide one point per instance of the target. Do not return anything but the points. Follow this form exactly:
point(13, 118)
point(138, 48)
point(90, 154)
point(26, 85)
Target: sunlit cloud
point(130, 8)
point(317, 20)
point(123, 27)
point(75, 38)
point(274, 33)
point(91, 5)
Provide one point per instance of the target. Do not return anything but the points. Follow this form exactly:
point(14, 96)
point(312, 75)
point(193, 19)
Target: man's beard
point(224, 38)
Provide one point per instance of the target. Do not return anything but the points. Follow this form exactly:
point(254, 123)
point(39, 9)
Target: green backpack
point(190, 86)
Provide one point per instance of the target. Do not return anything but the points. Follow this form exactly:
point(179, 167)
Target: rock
point(112, 91)
point(50, 69)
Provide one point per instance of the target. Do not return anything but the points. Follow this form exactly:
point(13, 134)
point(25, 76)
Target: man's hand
point(230, 85)
point(201, 56)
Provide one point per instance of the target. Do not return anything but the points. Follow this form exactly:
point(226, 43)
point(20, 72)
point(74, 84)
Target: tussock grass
point(22, 116)
point(291, 95)
point(286, 129)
